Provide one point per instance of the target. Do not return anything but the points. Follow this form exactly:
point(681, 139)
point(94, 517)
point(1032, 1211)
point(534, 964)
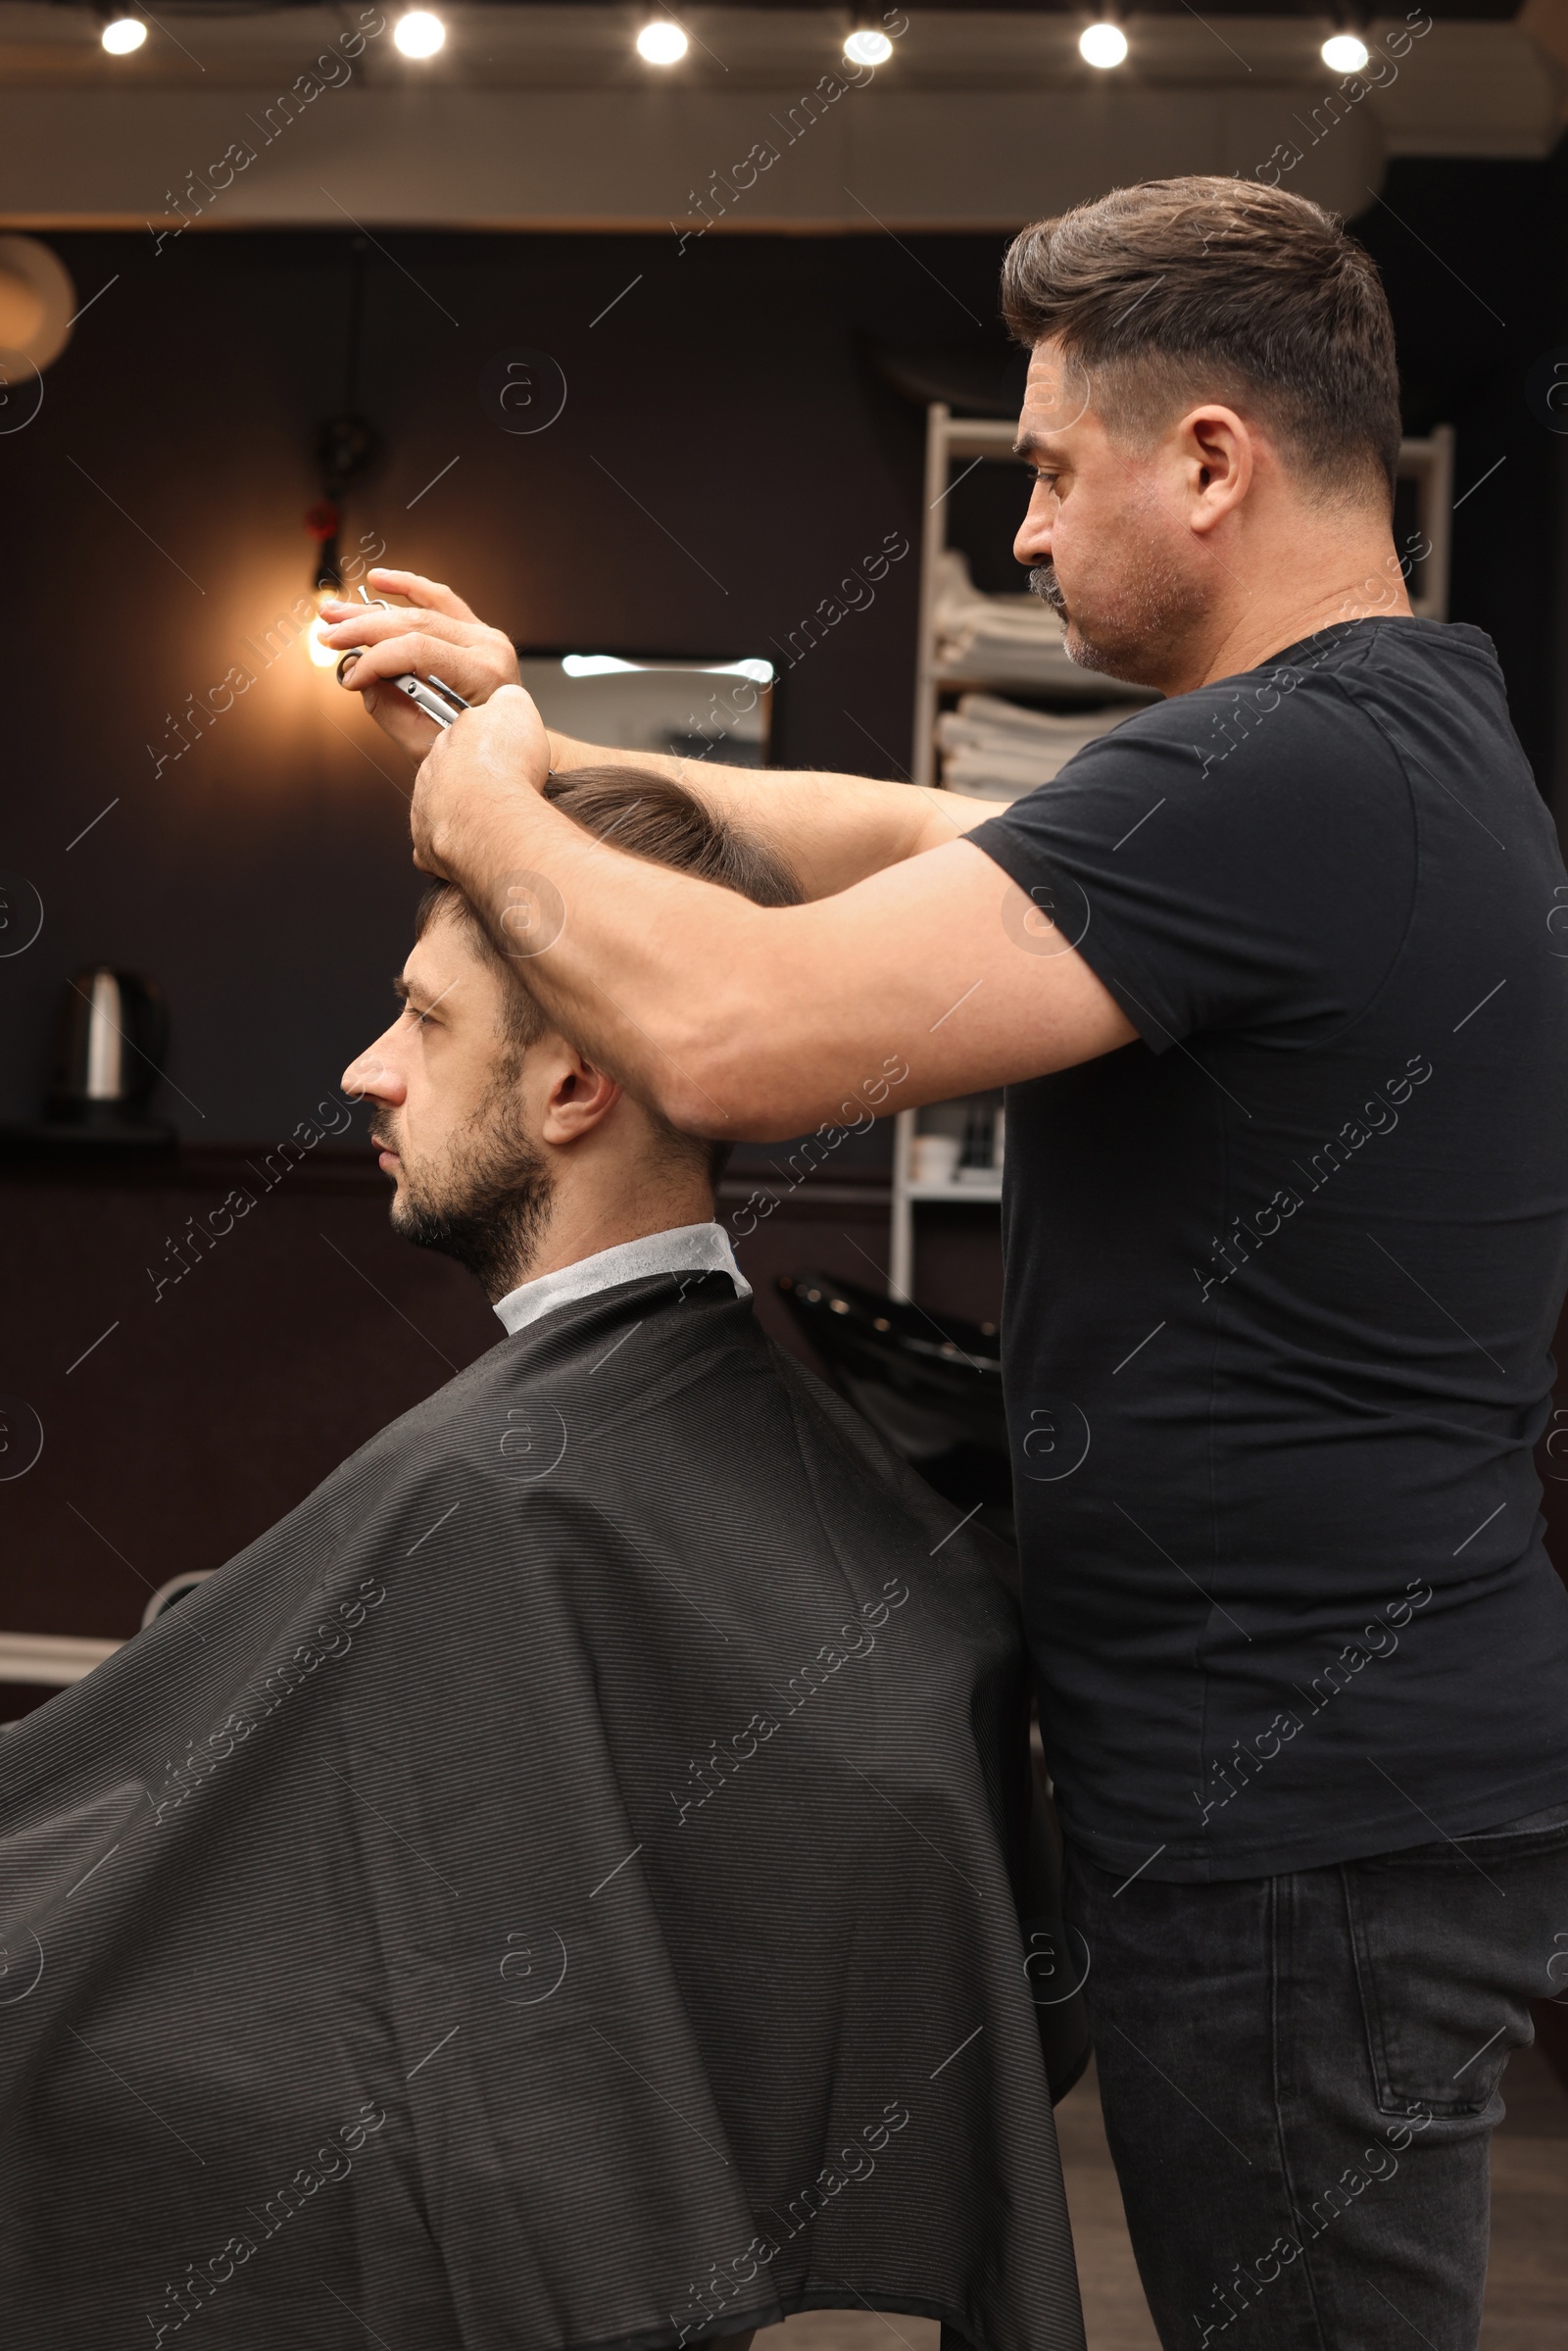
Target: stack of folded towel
point(996, 749)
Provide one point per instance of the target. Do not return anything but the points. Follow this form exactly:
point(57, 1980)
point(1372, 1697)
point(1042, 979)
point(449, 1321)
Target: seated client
point(562, 1887)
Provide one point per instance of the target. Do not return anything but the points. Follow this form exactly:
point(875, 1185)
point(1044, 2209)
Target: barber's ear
point(580, 1099)
point(1219, 456)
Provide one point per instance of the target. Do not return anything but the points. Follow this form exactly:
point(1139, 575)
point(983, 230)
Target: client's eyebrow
point(417, 994)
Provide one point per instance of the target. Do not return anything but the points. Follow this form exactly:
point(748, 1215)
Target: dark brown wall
point(205, 1410)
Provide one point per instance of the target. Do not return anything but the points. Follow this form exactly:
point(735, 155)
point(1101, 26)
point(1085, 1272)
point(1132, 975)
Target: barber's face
point(1108, 548)
point(451, 1118)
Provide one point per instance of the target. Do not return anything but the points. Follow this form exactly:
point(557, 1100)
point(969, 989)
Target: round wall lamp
point(37, 301)
point(868, 47)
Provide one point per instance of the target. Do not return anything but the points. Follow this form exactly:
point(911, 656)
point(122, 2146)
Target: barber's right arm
point(834, 830)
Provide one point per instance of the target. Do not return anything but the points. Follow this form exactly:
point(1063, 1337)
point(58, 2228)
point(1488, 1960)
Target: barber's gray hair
point(1179, 290)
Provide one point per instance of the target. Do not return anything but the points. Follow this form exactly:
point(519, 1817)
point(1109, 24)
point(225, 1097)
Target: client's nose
point(370, 1078)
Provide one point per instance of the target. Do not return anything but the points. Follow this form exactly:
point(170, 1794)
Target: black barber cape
point(556, 1889)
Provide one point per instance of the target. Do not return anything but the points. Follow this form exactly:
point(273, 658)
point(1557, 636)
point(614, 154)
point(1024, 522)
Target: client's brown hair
point(646, 815)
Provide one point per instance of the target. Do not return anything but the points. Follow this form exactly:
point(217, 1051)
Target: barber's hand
point(440, 633)
point(474, 772)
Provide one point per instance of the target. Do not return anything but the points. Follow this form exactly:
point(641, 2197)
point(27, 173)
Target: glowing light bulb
point(324, 657)
point(1103, 45)
point(867, 48)
point(121, 34)
point(1343, 53)
point(661, 43)
point(419, 33)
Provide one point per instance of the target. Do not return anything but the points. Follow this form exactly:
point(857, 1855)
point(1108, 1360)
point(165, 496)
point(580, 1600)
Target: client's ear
point(580, 1098)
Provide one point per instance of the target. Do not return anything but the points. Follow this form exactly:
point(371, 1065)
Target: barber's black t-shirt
point(1283, 1275)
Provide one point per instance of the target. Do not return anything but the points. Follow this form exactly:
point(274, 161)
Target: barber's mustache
point(1043, 582)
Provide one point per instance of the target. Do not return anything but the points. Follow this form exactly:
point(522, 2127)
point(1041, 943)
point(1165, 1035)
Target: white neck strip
point(687, 1249)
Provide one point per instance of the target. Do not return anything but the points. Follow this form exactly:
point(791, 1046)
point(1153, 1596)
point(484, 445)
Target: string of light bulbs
point(420, 34)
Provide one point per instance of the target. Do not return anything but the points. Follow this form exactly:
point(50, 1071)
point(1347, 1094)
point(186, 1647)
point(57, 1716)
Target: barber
point(1272, 975)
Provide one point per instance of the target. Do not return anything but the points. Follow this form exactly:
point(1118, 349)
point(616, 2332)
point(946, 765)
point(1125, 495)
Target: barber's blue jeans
point(1300, 2080)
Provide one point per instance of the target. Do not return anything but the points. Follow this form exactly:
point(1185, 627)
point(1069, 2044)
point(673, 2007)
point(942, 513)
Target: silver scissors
point(438, 700)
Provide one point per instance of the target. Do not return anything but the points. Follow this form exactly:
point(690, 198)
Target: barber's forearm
point(833, 830)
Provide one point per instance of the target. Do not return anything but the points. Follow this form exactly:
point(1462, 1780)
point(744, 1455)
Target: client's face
point(450, 1119)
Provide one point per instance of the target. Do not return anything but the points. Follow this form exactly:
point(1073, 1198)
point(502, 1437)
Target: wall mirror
point(719, 709)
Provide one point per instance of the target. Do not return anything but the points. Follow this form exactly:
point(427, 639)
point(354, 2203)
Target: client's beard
point(491, 1204)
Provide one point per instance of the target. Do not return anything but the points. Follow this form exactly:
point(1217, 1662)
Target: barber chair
point(930, 1388)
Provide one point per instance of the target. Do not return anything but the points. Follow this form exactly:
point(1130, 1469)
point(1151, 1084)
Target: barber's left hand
point(481, 767)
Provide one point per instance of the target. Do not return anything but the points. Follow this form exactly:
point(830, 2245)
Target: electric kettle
point(109, 1044)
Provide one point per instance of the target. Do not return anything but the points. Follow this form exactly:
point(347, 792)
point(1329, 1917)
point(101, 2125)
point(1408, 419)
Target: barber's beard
point(489, 1207)
point(1132, 628)
point(1044, 583)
